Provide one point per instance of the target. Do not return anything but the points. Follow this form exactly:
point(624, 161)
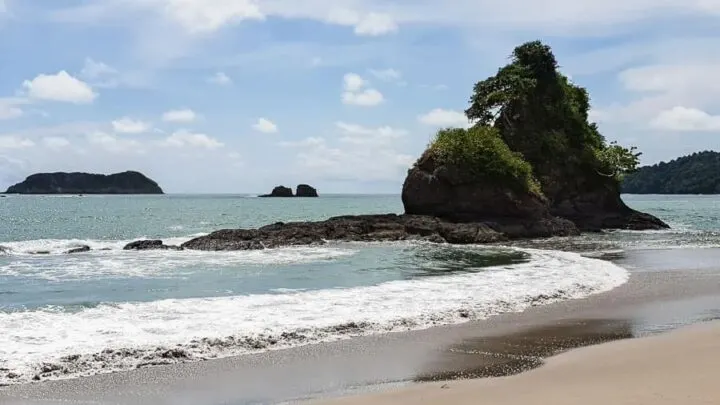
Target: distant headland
point(302, 190)
point(698, 173)
point(129, 182)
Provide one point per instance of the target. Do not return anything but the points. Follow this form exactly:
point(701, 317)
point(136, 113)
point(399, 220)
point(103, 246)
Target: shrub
point(482, 152)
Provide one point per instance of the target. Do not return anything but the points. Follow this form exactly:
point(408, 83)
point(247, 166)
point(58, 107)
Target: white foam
point(113, 263)
point(30, 338)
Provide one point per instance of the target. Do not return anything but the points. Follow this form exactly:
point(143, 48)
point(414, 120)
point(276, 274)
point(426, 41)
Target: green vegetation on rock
point(540, 114)
point(698, 173)
point(485, 155)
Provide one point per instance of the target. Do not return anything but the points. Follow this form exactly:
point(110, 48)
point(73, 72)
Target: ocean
point(70, 315)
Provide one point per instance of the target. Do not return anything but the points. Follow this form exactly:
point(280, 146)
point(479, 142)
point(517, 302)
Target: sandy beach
point(679, 367)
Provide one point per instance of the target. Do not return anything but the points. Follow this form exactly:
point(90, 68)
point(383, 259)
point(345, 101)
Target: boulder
point(4, 250)
point(304, 190)
point(280, 191)
point(149, 245)
point(79, 249)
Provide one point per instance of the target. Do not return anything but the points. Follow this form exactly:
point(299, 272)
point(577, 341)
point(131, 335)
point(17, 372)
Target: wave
point(51, 343)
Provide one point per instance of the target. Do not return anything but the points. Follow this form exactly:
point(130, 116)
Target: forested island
point(698, 173)
point(129, 182)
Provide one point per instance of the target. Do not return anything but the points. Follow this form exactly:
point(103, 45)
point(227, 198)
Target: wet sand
point(680, 367)
point(658, 297)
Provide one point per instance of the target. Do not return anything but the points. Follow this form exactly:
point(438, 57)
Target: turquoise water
point(93, 305)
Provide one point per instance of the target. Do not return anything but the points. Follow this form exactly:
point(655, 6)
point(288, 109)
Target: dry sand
point(680, 368)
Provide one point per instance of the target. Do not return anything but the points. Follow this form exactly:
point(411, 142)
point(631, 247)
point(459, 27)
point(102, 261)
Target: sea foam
point(50, 343)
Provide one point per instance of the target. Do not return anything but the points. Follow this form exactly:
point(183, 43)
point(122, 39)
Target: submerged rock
point(4, 250)
point(80, 249)
point(280, 191)
point(149, 245)
point(305, 190)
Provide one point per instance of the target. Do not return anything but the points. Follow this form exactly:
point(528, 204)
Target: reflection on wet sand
point(503, 355)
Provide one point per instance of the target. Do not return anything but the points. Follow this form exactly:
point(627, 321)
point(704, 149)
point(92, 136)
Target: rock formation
point(304, 190)
point(149, 245)
point(280, 191)
point(128, 182)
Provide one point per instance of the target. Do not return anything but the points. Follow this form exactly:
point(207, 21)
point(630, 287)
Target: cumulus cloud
point(440, 117)
point(265, 125)
point(127, 125)
point(361, 135)
point(183, 115)
point(15, 142)
point(220, 78)
point(59, 87)
point(356, 92)
point(686, 119)
point(184, 138)
point(204, 16)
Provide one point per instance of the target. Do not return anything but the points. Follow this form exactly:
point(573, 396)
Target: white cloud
point(15, 142)
point(353, 82)
point(386, 74)
point(113, 144)
point(220, 78)
point(376, 24)
point(356, 94)
point(266, 126)
point(60, 87)
point(365, 98)
point(185, 138)
point(686, 119)
point(94, 69)
point(204, 16)
point(55, 142)
point(9, 108)
point(358, 134)
point(445, 118)
point(184, 115)
point(127, 125)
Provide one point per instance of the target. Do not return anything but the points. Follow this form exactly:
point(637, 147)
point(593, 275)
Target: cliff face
point(128, 182)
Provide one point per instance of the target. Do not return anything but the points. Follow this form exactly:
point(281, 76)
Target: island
point(698, 173)
point(129, 182)
point(303, 190)
point(532, 165)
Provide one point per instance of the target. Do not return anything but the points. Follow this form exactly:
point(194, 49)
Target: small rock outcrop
point(305, 190)
point(129, 182)
point(149, 245)
point(79, 249)
point(280, 191)
point(4, 250)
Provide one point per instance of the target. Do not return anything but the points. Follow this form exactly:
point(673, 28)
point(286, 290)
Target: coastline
point(657, 298)
point(671, 368)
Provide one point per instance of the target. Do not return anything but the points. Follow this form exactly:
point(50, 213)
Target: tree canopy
point(698, 173)
point(544, 117)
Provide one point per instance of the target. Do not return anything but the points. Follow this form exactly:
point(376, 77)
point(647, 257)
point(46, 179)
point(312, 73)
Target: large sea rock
point(305, 190)
point(129, 182)
point(280, 191)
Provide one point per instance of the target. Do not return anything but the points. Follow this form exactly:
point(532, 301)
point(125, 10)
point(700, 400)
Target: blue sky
point(241, 95)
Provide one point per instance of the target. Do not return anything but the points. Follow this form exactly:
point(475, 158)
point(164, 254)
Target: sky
point(237, 96)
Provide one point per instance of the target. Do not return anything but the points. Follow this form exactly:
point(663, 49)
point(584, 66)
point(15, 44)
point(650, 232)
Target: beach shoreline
point(670, 368)
point(658, 297)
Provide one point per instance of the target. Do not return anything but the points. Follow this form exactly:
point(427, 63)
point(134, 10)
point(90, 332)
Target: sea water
point(68, 315)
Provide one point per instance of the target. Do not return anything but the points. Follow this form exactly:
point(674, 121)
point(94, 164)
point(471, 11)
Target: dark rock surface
point(4, 250)
point(129, 182)
point(280, 191)
point(79, 249)
point(150, 245)
point(448, 192)
point(388, 227)
point(305, 190)
point(451, 193)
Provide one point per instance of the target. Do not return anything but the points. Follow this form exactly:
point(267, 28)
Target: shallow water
point(65, 315)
